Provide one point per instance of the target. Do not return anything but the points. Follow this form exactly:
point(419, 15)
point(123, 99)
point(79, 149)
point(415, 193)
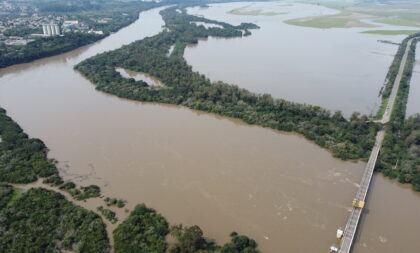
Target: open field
point(399, 22)
point(353, 13)
point(244, 12)
point(341, 20)
point(391, 32)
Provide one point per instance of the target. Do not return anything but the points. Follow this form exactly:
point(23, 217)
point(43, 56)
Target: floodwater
point(339, 69)
point(207, 25)
point(390, 220)
point(413, 105)
point(197, 168)
point(139, 76)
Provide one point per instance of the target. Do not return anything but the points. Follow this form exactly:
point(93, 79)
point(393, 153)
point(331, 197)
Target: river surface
point(339, 69)
point(197, 168)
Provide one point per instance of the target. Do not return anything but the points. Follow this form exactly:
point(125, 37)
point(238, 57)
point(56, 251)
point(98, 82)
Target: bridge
point(359, 201)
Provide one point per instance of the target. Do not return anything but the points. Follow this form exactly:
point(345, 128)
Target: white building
point(51, 29)
point(70, 22)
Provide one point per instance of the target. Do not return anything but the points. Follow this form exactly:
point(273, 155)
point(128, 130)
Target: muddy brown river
point(197, 168)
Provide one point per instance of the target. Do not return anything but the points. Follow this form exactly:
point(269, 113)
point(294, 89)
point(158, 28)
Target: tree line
point(346, 139)
point(23, 160)
point(145, 231)
point(42, 221)
point(400, 154)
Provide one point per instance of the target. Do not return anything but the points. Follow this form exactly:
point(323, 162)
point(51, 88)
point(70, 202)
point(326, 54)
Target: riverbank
point(271, 185)
point(48, 208)
point(190, 89)
point(50, 46)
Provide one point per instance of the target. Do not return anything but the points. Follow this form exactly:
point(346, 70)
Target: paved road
point(396, 86)
point(353, 221)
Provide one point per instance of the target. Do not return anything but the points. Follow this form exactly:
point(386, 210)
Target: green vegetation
point(43, 221)
point(114, 202)
point(108, 214)
point(240, 244)
point(244, 12)
point(391, 32)
point(338, 5)
point(21, 31)
point(191, 240)
point(143, 231)
point(117, 14)
point(351, 139)
point(382, 108)
point(392, 13)
point(399, 22)
point(44, 47)
point(22, 159)
point(352, 13)
point(399, 157)
point(15, 195)
point(7, 195)
point(390, 78)
point(341, 20)
point(54, 180)
point(91, 191)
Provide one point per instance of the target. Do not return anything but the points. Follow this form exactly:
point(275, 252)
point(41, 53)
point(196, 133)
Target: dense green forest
point(143, 231)
point(191, 240)
point(347, 139)
point(400, 153)
point(44, 47)
point(6, 195)
point(44, 221)
point(23, 160)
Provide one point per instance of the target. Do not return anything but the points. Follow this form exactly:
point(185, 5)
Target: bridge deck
point(353, 221)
